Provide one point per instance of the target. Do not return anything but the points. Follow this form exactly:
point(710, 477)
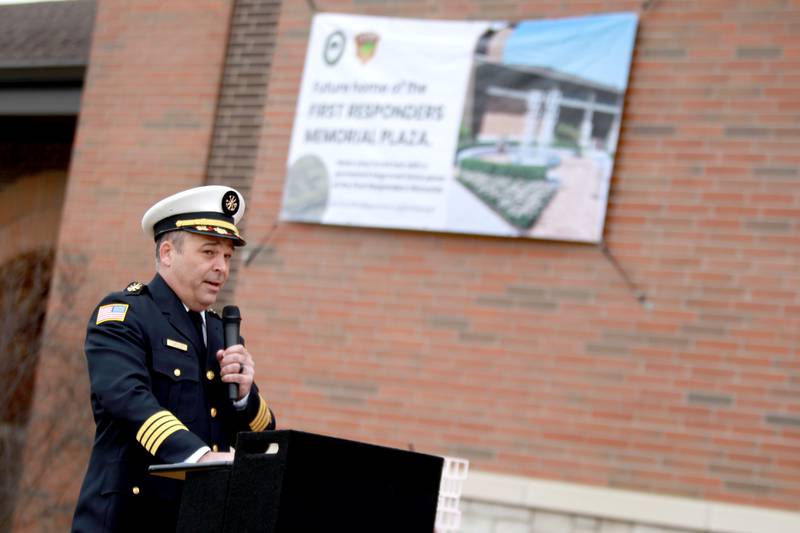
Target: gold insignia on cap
point(231, 202)
point(207, 221)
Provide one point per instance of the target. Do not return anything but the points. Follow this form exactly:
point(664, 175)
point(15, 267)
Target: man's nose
point(221, 264)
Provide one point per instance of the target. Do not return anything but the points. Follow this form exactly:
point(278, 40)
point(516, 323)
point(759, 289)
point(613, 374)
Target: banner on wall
point(488, 128)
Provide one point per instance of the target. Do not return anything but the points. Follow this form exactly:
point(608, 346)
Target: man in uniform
point(159, 371)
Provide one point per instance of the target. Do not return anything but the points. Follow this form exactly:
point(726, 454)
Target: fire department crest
point(366, 44)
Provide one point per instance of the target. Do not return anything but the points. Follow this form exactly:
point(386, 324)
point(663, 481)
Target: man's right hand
point(216, 456)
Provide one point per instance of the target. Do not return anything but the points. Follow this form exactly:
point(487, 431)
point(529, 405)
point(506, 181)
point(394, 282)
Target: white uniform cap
point(213, 210)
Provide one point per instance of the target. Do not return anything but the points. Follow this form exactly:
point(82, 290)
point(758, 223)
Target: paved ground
point(577, 210)
point(575, 213)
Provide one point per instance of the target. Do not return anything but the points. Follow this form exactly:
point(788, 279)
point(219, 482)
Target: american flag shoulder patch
point(111, 313)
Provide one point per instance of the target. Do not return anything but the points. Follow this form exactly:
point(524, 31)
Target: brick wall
point(237, 128)
point(535, 358)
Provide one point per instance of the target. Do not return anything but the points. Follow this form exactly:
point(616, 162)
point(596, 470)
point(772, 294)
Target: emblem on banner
point(334, 48)
point(366, 43)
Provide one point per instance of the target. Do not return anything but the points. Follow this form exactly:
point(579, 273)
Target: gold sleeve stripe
point(164, 428)
point(256, 422)
point(147, 423)
point(164, 436)
point(263, 417)
point(157, 428)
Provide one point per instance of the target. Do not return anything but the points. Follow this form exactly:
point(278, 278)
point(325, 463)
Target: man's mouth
point(215, 284)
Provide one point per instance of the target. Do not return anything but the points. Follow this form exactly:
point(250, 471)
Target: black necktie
point(197, 320)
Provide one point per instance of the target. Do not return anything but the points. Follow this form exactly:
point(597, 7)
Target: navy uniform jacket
point(157, 397)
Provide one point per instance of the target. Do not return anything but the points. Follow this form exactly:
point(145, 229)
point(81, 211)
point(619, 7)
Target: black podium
point(294, 482)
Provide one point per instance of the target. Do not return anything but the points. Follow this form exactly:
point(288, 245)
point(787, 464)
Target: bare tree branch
point(50, 440)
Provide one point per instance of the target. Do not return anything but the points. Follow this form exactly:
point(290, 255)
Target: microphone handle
point(231, 332)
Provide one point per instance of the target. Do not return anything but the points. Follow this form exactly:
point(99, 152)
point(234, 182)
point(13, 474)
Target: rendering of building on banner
point(538, 136)
point(498, 129)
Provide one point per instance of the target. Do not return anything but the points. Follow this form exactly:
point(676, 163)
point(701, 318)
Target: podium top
point(179, 470)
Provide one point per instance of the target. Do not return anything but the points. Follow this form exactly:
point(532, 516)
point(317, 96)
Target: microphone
point(230, 324)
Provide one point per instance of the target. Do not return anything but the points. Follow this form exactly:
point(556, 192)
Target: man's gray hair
point(175, 237)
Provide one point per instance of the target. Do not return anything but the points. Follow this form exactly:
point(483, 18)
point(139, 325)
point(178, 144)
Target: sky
point(597, 48)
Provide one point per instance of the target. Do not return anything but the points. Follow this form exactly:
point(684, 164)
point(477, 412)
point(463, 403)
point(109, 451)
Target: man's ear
point(165, 252)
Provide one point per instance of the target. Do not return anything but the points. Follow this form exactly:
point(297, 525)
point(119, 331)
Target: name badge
point(177, 344)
